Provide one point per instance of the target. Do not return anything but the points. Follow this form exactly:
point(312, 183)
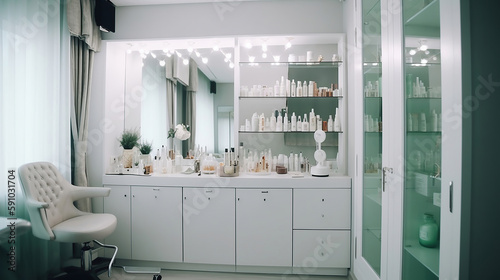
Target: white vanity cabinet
point(209, 225)
point(264, 227)
point(118, 204)
point(156, 223)
point(321, 231)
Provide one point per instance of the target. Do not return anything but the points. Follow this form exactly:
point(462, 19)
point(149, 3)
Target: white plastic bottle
point(299, 124)
point(277, 88)
point(319, 123)
point(279, 122)
point(285, 122)
point(299, 89)
point(304, 88)
point(336, 122)
point(312, 121)
point(272, 123)
point(310, 89)
point(305, 124)
point(294, 122)
point(294, 89)
point(330, 123)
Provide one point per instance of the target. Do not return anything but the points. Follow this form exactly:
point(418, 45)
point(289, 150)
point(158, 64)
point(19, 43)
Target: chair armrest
point(36, 204)
point(89, 192)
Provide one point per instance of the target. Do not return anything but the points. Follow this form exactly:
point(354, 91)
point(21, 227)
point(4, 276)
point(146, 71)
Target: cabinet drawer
point(321, 249)
point(322, 209)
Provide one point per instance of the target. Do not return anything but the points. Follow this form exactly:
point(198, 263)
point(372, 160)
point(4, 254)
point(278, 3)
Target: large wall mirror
point(159, 85)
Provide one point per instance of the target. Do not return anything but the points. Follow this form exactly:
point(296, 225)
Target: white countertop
point(244, 180)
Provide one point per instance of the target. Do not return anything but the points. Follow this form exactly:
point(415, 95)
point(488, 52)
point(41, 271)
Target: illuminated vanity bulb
point(185, 61)
point(216, 48)
point(178, 54)
point(264, 47)
point(423, 61)
point(153, 55)
point(190, 49)
point(412, 52)
point(169, 54)
point(162, 63)
point(248, 45)
point(165, 50)
point(204, 60)
point(231, 65)
point(143, 56)
point(423, 47)
point(146, 51)
point(251, 58)
point(264, 55)
point(276, 58)
point(197, 53)
point(228, 55)
point(288, 45)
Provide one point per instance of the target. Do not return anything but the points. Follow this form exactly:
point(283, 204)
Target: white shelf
point(429, 257)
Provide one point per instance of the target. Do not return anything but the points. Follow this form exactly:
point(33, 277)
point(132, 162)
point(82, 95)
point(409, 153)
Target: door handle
point(385, 170)
point(451, 196)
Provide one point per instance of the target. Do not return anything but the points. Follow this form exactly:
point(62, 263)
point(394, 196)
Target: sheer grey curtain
point(85, 40)
point(191, 102)
point(171, 92)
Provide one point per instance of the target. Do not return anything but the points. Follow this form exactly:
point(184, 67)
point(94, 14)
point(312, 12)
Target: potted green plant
point(145, 148)
point(129, 140)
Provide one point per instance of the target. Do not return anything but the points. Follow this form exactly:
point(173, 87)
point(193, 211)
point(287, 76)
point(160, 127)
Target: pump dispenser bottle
point(272, 122)
point(299, 89)
point(304, 88)
point(294, 122)
point(285, 122)
point(299, 124)
point(279, 122)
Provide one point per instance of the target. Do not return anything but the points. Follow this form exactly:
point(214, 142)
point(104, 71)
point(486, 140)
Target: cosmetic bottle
point(422, 124)
point(299, 124)
point(277, 88)
point(279, 122)
point(301, 162)
point(310, 89)
point(262, 122)
point(299, 89)
point(241, 156)
point(330, 123)
point(319, 122)
point(410, 123)
point(272, 123)
point(312, 121)
point(287, 88)
point(296, 166)
point(434, 121)
point(291, 162)
point(255, 122)
point(294, 122)
point(232, 157)
point(428, 232)
point(336, 122)
point(285, 122)
point(305, 124)
point(294, 89)
point(304, 89)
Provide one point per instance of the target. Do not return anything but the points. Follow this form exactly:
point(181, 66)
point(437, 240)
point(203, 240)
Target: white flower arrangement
point(180, 132)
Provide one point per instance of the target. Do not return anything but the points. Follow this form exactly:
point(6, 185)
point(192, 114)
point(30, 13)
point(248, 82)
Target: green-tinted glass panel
point(422, 140)
point(372, 189)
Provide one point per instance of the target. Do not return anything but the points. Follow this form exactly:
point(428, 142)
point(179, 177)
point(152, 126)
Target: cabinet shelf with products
point(298, 88)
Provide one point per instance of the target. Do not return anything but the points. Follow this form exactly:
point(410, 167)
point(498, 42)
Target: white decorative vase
point(146, 159)
point(127, 158)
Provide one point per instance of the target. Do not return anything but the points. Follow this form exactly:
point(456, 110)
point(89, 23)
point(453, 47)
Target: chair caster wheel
point(157, 277)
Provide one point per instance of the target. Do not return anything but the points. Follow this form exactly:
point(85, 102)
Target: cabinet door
point(321, 249)
point(157, 224)
point(322, 209)
point(264, 227)
point(118, 204)
point(209, 225)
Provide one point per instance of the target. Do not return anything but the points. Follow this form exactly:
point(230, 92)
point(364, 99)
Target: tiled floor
point(119, 274)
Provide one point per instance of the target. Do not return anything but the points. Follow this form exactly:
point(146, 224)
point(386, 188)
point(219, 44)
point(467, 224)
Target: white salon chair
point(49, 200)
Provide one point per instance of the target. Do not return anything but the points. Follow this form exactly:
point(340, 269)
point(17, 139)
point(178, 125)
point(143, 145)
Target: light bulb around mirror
point(276, 58)
point(412, 52)
point(185, 61)
point(264, 55)
point(162, 63)
point(204, 60)
point(231, 65)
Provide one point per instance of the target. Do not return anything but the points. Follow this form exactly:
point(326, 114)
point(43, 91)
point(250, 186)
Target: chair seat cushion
point(85, 228)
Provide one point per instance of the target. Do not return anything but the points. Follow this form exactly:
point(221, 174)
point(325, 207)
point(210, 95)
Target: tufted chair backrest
point(42, 182)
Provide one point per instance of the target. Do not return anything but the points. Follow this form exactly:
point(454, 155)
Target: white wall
point(227, 18)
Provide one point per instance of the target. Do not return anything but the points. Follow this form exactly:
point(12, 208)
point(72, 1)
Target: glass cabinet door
point(422, 143)
point(371, 242)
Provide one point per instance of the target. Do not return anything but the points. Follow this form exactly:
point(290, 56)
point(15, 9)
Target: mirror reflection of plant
point(130, 138)
point(146, 147)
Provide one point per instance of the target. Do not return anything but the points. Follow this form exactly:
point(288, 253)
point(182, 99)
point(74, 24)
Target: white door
point(118, 204)
point(157, 224)
point(209, 225)
point(264, 227)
